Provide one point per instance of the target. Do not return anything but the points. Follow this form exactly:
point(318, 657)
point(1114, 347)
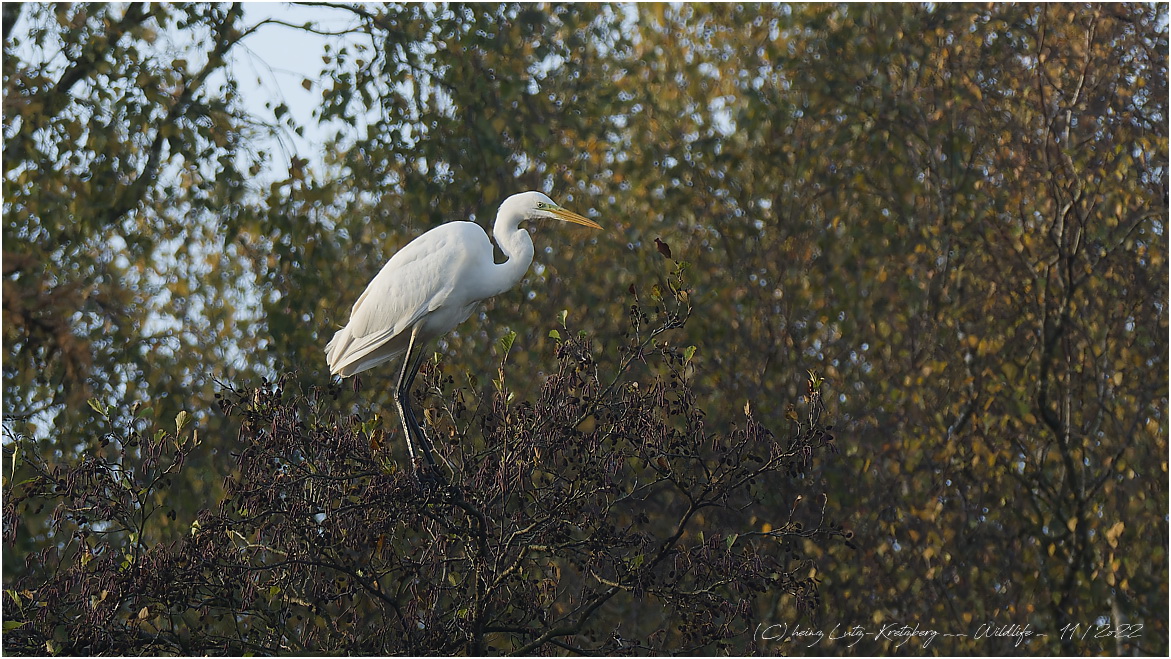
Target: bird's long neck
point(517, 246)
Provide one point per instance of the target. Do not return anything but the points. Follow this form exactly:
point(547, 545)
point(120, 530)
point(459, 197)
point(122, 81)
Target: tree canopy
point(950, 219)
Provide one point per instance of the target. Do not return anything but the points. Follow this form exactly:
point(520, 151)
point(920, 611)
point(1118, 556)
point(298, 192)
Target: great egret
point(429, 287)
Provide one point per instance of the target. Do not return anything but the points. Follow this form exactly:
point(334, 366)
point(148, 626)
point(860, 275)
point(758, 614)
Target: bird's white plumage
point(406, 290)
point(429, 287)
point(433, 284)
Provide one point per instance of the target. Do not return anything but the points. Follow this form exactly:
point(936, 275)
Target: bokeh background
point(956, 214)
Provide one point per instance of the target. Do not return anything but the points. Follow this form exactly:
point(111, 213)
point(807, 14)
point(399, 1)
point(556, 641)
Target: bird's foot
point(429, 476)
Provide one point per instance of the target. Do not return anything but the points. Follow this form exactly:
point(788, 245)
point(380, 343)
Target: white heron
point(428, 288)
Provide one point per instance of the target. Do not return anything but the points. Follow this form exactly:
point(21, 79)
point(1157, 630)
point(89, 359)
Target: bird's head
point(536, 206)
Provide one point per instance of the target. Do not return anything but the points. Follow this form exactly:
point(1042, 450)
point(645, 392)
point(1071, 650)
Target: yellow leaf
point(1114, 531)
point(587, 425)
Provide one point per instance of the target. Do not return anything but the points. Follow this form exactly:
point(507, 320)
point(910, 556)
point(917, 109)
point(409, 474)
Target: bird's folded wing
point(403, 292)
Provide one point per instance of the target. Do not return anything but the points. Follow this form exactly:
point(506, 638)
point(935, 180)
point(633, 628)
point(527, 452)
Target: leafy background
point(957, 214)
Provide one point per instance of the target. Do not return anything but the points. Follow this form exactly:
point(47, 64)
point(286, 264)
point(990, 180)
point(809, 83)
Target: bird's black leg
point(420, 435)
point(401, 399)
point(415, 435)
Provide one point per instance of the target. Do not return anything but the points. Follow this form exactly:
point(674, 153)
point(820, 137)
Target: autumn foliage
point(953, 214)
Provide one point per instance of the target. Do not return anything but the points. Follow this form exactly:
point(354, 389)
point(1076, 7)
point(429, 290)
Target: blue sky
point(272, 65)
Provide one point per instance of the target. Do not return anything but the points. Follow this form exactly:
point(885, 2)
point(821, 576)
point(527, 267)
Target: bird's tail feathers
point(335, 349)
point(347, 356)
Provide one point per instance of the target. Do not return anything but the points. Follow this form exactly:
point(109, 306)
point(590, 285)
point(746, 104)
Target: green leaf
point(688, 353)
point(99, 408)
point(10, 625)
point(181, 420)
point(562, 316)
point(16, 449)
point(506, 341)
point(555, 335)
point(731, 540)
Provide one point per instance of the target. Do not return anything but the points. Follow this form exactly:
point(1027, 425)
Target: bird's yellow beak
point(569, 216)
